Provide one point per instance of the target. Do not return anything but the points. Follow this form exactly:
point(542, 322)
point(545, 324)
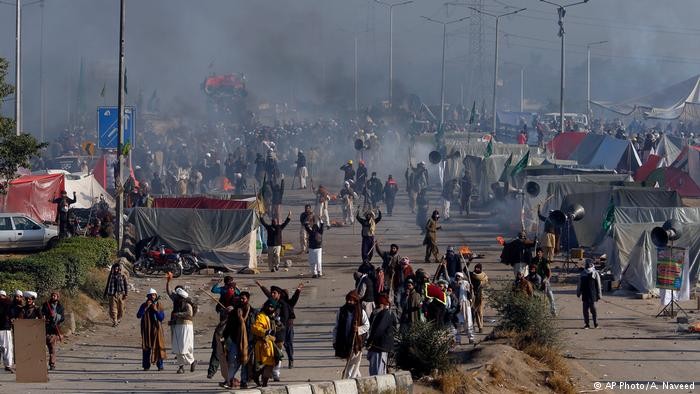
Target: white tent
point(88, 191)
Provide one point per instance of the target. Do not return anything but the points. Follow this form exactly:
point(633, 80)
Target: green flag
point(521, 164)
point(489, 149)
point(504, 174)
point(609, 216)
point(472, 116)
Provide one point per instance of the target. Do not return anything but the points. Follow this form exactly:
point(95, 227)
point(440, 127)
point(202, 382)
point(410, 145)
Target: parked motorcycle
point(160, 259)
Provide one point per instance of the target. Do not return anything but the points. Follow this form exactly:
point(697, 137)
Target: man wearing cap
point(390, 190)
point(380, 340)
point(274, 240)
point(411, 306)
point(285, 310)
point(430, 240)
point(464, 295)
point(390, 262)
point(6, 351)
point(52, 310)
point(454, 262)
point(63, 204)
point(349, 172)
point(404, 273)
point(348, 196)
point(349, 332)
point(182, 327)
point(116, 291)
point(17, 305)
point(152, 315)
point(30, 310)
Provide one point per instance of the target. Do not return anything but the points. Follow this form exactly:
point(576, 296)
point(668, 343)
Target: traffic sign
point(108, 128)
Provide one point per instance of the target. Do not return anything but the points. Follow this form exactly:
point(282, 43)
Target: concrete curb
point(399, 383)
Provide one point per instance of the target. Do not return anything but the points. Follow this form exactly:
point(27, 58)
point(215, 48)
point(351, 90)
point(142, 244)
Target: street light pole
point(391, 44)
point(495, 61)
point(588, 75)
point(120, 122)
point(561, 11)
point(355, 82)
point(18, 68)
point(444, 46)
point(522, 88)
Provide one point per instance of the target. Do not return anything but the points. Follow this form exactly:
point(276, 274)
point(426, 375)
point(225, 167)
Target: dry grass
point(453, 381)
point(497, 375)
point(549, 356)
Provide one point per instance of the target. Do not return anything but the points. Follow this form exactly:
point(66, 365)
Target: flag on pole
point(504, 174)
point(104, 90)
point(609, 216)
point(472, 117)
point(521, 164)
point(489, 149)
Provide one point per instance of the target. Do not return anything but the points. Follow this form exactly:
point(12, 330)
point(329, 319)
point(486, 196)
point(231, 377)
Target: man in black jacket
point(589, 291)
point(380, 340)
point(315, 230)
point(274, 241)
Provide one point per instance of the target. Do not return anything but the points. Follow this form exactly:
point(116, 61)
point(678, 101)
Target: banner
point(669, 268)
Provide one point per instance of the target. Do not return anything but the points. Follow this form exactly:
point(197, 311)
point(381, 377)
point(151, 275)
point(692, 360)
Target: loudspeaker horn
point(359, 145)
point(575, 212)
point(532, 188)
point(435, 157)
point(669, 231)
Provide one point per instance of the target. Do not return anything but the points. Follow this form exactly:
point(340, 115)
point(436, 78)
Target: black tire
point(175, 269)
point(189, 264)
point(52, 243)
point(138, 268)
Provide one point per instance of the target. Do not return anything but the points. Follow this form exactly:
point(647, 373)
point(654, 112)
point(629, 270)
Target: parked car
point(18, 231)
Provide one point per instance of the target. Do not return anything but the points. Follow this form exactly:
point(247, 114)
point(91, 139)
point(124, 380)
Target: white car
point(18, 231)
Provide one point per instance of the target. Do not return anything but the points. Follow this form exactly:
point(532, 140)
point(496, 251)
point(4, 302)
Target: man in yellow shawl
point(264, 333)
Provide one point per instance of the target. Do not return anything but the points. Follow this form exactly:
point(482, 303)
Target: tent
point(668, 148)
point(670, 178)
point(564, 144)
point(668, 104)
point(201, 202)
point(586, 148)
point(589, 231)
point(87, 191)
point(615, 154)
point(544, 182)
point(30, 195)
point(652, 163)
point(224, 238)
point(688, 161)
point(632, 255)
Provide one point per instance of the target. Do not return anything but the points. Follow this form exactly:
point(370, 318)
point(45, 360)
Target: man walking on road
point(152, 314)
point(274, 241)
point(430, 240)
point(182, 327)
point(52, 310)
point(589, 291)
point(116, 291)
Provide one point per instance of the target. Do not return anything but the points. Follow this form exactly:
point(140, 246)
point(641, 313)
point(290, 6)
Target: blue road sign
point(108, 128)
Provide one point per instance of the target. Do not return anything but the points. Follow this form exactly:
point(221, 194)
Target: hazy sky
point(301, 48)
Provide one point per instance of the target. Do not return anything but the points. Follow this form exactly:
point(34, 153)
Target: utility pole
point(355, 81)
point(495, 61)
point(588, 75)
point(561, 11)
point(522, 89)
point(120, 122)
point(42, 99)
point(391, 44)
point(444, 45)
point(18, 68)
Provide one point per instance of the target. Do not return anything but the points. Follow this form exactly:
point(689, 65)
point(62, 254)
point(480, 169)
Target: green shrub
point(423, 349)
point(528, 317)
point(65, 266)
point(16, 281)
point(95, 282)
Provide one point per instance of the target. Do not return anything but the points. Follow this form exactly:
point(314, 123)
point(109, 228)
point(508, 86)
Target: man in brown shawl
point(236, 339)
point(152, 314)
point(430, 240)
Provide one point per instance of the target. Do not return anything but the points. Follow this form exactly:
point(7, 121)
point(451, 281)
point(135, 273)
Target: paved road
point(630, 345)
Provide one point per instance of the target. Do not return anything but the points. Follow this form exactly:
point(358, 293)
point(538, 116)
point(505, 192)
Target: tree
point(15, 150)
